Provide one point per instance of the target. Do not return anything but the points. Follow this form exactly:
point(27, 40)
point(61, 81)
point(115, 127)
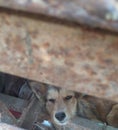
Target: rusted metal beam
point(66, 56)
point(101, 13)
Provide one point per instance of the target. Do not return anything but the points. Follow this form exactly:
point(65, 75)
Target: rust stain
point(68, 63)
point(114, 46)
point(90, 70)
point(113, 76)
point(46, 45)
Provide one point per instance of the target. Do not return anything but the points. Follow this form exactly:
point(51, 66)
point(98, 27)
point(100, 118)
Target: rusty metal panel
point(101, 13)
point(63, 55)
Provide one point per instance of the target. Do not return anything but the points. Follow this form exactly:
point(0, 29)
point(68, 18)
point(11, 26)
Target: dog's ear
point(79, 95)
point(39, 89)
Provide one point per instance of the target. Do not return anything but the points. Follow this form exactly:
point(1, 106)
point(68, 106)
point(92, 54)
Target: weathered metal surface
point(4, 126)
point(101, 13)
point(68, 56)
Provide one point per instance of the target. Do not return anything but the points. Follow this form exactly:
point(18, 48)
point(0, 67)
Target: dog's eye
point(52, 100)
point(68, 97)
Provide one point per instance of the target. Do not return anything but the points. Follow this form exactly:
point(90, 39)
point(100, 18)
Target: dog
point(63, 105)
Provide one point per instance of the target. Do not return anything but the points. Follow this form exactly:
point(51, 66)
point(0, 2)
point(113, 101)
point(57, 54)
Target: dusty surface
point(59, 54)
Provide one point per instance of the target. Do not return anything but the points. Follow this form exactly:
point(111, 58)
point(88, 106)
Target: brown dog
point(63, 105)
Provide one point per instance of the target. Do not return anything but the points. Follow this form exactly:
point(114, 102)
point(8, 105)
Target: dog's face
point(61, 105)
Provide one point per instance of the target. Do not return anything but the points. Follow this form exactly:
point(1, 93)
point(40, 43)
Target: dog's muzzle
point(60, 116)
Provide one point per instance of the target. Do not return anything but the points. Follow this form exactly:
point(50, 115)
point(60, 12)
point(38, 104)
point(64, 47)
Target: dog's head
point(61, 105)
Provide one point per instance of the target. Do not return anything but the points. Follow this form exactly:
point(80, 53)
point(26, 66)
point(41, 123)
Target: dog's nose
point(60, 116)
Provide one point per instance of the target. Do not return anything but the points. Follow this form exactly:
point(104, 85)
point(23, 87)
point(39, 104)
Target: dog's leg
point(112, 117)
